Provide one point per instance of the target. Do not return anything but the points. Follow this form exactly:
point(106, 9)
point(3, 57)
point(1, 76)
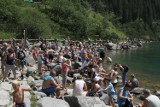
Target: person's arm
point(13, 105)
point(85, 87)
point(130, 96)
point(67, 65)
point(121, 67)
point(53, 83)
point(145, 104)
point(121, 95)
point(26, 89)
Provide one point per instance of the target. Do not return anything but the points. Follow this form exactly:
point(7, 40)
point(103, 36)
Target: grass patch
point(33, 100)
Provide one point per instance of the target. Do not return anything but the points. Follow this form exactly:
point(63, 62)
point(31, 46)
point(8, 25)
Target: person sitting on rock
point(18, 94)
point(150, 100)
point(96, 89)
point(79, 86)
point(49, 85)
point(134, 82)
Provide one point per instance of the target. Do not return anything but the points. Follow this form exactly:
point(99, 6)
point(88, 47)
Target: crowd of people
point(85, 58)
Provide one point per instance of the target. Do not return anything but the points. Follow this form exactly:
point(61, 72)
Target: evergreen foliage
point(80, 18)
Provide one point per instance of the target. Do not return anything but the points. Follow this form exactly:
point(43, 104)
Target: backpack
point(21, 55)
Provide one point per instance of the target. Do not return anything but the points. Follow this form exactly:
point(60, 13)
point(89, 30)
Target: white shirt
point(78, 87)
point(153, 101)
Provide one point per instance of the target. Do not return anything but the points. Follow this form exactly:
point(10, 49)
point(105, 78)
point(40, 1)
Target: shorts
point(49, 91)
point(21, 63)
point(20, 105)
point(64, 76)
point(7, 68)
point(111, 94)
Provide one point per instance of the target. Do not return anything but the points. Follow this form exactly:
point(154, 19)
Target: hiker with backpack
point(21, 55)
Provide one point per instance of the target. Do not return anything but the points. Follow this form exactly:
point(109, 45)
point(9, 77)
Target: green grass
point(33, 100)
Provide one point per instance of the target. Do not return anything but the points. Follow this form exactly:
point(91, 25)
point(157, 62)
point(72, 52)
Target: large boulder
point(4, 98)
point(29, 59)
point(31, 81)
point(31, 69)
point(157, 93)
point(6, 86)
point(137, 90)
point(51, 102)
point(39, 94)
point(84, 101)
point(51, 65)
point(38, 83)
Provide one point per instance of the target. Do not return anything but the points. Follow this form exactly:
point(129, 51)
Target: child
point(18, 94)
point(111, 91)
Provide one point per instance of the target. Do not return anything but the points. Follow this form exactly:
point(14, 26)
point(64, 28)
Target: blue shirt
point(121, 101)
point(110, 88)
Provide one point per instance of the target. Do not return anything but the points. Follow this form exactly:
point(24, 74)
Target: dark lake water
point(144, 62)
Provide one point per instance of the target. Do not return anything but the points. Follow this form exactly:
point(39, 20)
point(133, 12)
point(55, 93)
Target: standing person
point(124, 70)
point(114, 75)
point(79, 86)
point(150, 100)
point(18, 94)
point(66, 64)
point(21, 59)
point(3, 57)
point(111, 91)
point(40, 62)
point(10, 64)
point(124, 98)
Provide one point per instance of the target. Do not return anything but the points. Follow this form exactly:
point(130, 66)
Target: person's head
point(53, 73)
point(15, 85)
point(115, 68)
point(127, 86)
point(146, 92)
point(79, 77)
point(20, 47)
point(10, 51)
point(107, 80)
point(132, 76)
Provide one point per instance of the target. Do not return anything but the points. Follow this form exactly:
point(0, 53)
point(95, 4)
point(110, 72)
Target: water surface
point(144, 62)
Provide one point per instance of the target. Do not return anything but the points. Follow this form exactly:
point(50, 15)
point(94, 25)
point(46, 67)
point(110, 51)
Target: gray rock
point(157, 93)
point(38, 83)
point(27, 102)
point(27, 95)
point(30, 60)
point(83, 101)
point(4, 98)
point(52, 65)
point(137, 90)
point(105, 98)
point(6, 86)
point(58, 79)
point(31, 69)
point(70, 92)
point(57, 68)
point(90, 101)
point(69, 79)
point(51, 102)
point(39, 94)
point(75, 75)
point(31, 81)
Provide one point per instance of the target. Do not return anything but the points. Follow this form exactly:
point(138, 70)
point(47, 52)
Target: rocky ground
point(36, 98)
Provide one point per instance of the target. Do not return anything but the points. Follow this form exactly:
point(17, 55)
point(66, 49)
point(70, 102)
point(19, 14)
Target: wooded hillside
point(80, 18)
